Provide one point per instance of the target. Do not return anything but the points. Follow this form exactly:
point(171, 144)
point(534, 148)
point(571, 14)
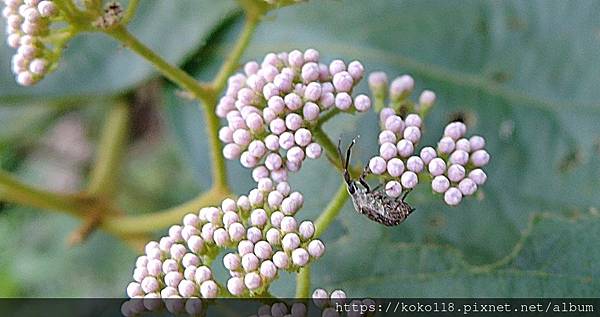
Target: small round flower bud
point(413, 120)
point(293, 101)
point(327, 100)
point(270, 90)
point(477, 143)
point(242, 137)
point(310, 111)
point(356, 70)
point(273, 236)
point(463, 145)
point(277, 126)
point(276, 218)
point(478, 176)
point(415, 164)
point(314, 151)
point(428, 154)
point(250, 262)
point(141, 261)
point(320, 293)
point(251, 68)
point(467, 187)
point(281, 260)
point(25, 79)
point(311, 55)
point(189, 273)
point(173, 278)
point(480, 158)
point(236, 286)
point(150, 246)
point(254, 122)
point(401, 87)
point(208, 231)
point(154, 267)
point(196, 244)
point(263, 250)
point(38, 66)
point(437, 166)
point(178, 251)
point(191, 220)
point(316, 248)
point(405, 148)
point(165, 244)
point(252, 280)
point(288, 224)
point(295, 154)
point(221, 237)
point(170, 265)
point(313, 91)
point(295, 58)
point(394, 123)
point(440, 184)
point(256, 82)
point(310, 72)
point(209, 289)
point(378, 81)
point(343, 81)
point(393, 189)
point(253, 234)
point(243, 203)
point(236, 231)
point(258, 218)
point(274, 199)
point(446, 145)
point(190, 259)
point(385, 113)
point(306, 230)
point(245, 247)
point(343, 101)
point(453, 196)
point(409, 179)
point(293, 121)
point(228, 204)
point(459, 157)
point(268, 269)
point(289, 206)
point(273, 161)
point(232, 261)
point(455, 130)
point(290, 241)
point(134, 289)
point(300, 257)
point(277, 104)
point(427, 98)
point(150, 284)
point(202, 274)
point(231, 151)
point(387, 136)
point(235, 122)
point(13, 40)
point(337, 66)
point(413, 134)
point(362, 103)
point(387, 151)
point(168, 291)
point(303, 137)
point(139, 274)
point(377, 165)
point(296, 196)
point(395, 167)
point(284, 188)
point(47, 8)
point(189, 231)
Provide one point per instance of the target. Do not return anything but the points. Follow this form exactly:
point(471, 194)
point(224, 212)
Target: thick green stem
point(303, 283)
point(233, 60)
point(111, 148)
point(15, 191)
point(328, 145)
point(218, 161)
point(331, 211)
point(130, 12)
point(171, 72)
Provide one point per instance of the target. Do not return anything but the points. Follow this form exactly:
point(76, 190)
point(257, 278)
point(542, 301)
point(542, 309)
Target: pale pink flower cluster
point(271, 107)
point(27, 23)
point(260, 226)
point(457, 166)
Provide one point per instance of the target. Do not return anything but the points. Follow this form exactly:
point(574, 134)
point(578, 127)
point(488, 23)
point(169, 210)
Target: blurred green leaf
point(95, 64)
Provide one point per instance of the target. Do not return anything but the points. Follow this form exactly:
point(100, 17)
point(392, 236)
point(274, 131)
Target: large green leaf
point(95, 64)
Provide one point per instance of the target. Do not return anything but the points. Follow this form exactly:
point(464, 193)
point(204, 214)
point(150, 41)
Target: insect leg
point(405, 193)
point(363, 175)
point(345, 163)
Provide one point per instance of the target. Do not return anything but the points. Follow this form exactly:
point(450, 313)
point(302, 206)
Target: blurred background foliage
point(524, 73)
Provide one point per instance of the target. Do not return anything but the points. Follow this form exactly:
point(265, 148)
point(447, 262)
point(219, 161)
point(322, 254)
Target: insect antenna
point(346, 162)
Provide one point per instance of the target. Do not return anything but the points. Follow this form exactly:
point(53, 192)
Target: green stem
point(331, 211)
point(218, 161)
point(328, 115)
point(139, 224)
point(303, 283)
point(328, 145)
point(111, 149)
point(15, 191)
point(233, 60)
point(171, 72)
point(130, 12)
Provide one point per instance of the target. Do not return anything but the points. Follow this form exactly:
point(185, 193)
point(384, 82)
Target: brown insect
point(373, 203)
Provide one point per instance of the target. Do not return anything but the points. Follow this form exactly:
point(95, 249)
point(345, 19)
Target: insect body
point(375, 203)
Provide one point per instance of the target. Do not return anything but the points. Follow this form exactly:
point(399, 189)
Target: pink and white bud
point(245, 247)
point(281, 260)
point(273, 161)
point(378, 81)
point(268, 269)
point(401, 87)
point(288, 224)
point(293, 101)
point(243, 203)
point(343, 101)
point(312, 91)
point(314, 151)
point(196, 244)
point(258, 218)
point(310, 72)
point(279, 175)
point(208, 232)
point(273, 236)
point(316, 248)
point(377, 165)
point(455, 130)
point(150, 285)
point(362, 103)
point(202, 274)
point(395, 167)
point(437, 166)
point(463, 145)
point(170, 265)
point(251, 68)
point(295, 59)
point(230, 217)
point(310, 111)
point(154, 267)
point(413, 134)
point(276, 218)
point(385, 113)
point(209, 289)
point(293, 121)
point(478, 176)
point(387, 151)
point(427, 98)
point(141, 261)
point(356, 70)
point(467, 187)
point(440, 184)
point(221, 237)
point(446, 145)
point(409, 179)
point(477, 142)
point(327, 100)
point(428, 154)
point(413, 120)
point(300, 257)
point(190, 259)
point(290, 241)
point(337, 66)
point(263, 250)
point(242, 137)
point(277, 126)
point(306, 230)
point(134, 290)
point(254, 234)
point(393, 189)
point(456, 172)
point(459, 157)
point(405, 148)
point(236, 286)
point(173, 278)
point(226, 134)
point(236, 231)
point(453, 196)
point(252, 280)
point(189, 231)
point(272, 142)
point(343, 81)
point(250, 262)
point(311, 55)
point(255, 122)
point(480, 158)
point(415, 164)
point(394, 123)
point(387, 136)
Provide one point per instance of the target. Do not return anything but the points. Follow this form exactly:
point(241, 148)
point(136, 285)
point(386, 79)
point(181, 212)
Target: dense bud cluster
point(27, 26)
point(455, 165)
point(271, 107)
point(261, 226)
